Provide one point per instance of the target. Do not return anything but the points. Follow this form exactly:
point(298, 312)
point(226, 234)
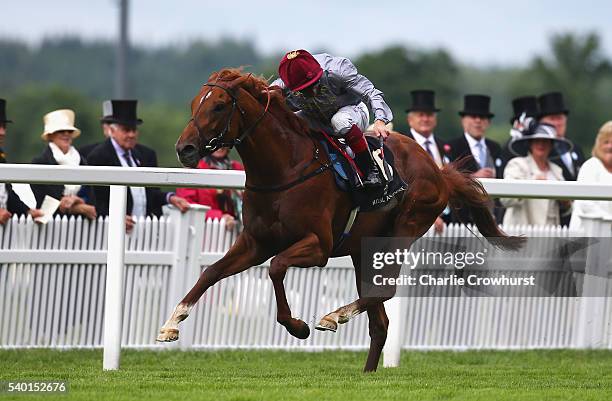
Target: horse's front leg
point(243, 254)
point(305, 253)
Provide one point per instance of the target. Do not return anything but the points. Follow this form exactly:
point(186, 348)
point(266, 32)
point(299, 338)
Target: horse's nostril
point(189, 149)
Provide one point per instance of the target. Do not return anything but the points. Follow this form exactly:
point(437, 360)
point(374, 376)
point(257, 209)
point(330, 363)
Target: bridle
point(219, 141)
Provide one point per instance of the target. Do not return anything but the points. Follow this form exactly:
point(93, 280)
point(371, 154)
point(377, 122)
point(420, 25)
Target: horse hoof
point(167, 335)
point(298, 328)
point(327, 324)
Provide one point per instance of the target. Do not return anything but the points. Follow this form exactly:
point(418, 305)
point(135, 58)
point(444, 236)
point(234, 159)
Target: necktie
point(128, 159)
point(428, 149)
point(482, 154)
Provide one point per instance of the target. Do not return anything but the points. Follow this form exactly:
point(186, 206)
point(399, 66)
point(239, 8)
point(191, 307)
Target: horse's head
point(217, 116)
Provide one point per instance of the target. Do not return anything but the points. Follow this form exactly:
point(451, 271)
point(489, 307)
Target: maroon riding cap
point(298, 70)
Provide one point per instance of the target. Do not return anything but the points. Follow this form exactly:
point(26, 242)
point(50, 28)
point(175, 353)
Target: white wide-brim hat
point(59, 120)
point(520, 145)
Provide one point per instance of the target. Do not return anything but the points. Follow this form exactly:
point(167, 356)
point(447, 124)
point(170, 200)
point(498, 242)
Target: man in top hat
point(332, 96)
point(10, 203)
point(123, 150)
point(422, 121)
point(482, 155)
point(554, 112)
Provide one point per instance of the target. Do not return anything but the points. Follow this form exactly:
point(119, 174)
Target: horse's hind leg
point(305, 253)
point(341, 315)
point(242, 255)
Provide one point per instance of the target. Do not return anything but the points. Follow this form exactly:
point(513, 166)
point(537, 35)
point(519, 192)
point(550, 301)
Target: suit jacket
point(14, 204)
point(55, 190)
point(440, 144)
point(459, 147)
point(104, 155)
point(85, 150)
point(443, 148)
point(577, 160)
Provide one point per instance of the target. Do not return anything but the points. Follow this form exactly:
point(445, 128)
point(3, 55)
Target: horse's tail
point(466, 192)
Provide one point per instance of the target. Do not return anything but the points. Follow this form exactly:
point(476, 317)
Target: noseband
point(219, 140)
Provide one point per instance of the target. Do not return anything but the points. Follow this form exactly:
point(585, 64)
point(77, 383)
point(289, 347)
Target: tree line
point(72, 73)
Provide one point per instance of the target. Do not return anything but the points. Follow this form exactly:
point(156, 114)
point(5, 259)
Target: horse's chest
point(275, 227)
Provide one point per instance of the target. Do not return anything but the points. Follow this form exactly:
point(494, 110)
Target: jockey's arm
point(364, 88)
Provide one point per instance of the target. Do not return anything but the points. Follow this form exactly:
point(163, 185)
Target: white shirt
point(420, 139)
point(567, 160)
point(139, 194)
point(474, 148)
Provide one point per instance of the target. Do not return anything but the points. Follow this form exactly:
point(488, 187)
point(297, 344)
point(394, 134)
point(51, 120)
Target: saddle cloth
point(371, 198)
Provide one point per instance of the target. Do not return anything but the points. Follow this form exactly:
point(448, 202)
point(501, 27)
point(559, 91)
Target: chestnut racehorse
point(293, 211)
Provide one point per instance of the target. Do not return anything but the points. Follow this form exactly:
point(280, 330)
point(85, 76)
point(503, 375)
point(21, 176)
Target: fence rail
point(55, 295)
point(52, 281)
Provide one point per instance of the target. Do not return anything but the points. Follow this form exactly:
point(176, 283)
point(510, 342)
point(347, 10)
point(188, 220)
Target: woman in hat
point(59, 132)
point(535, 143)
point(596, 170)
point(225, 204)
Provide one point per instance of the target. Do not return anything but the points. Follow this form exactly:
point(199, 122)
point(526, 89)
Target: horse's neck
point(274, 153)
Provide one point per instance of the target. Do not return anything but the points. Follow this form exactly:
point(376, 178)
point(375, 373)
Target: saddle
point(346, 176)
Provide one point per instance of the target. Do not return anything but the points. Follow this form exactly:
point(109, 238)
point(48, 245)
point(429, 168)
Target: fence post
point(113, 301)
point(393, 345)
point(590, 315)
point(188, 238)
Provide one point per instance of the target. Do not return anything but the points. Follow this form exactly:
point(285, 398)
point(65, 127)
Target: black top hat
point(3, 118)
point(524, 104)
point(476, 105)
point(552, 103)
point(423, 100)
point(120, 112)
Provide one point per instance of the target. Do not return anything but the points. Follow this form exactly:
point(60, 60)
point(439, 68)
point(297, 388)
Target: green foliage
point(68, 72)
point(577, 67)
point(27, 108)
point(397, 70)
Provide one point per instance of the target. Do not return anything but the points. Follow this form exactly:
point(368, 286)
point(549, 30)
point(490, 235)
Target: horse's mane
point(257, 86)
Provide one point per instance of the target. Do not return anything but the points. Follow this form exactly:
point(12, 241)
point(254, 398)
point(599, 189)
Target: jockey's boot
point(371, 177)
point(356, 140)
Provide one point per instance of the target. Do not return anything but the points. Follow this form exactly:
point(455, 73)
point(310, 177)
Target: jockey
point(332, 96)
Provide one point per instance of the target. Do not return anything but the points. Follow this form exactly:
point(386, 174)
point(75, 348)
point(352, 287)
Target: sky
point(476, 32)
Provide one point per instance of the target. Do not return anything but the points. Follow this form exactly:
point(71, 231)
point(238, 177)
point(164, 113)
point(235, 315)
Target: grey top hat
point(520, 144)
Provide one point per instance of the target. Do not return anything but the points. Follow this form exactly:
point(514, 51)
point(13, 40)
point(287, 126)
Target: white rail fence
point(53, 277)
point(52, 281)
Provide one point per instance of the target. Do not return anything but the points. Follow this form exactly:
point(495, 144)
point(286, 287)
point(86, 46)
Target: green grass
point(276, 375)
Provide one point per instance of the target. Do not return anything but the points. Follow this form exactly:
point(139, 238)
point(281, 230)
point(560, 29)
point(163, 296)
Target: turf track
point(333, 375)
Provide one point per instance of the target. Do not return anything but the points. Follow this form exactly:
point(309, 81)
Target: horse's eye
point(219, 107)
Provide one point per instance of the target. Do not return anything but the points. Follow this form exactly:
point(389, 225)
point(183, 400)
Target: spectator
point(422, 120)
point(482, 155)
point(537, 140)
point(225, 204)
point(553, 112)
point(596, 170)
point(123, 150)
point(10, 203)
point(59, 132)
